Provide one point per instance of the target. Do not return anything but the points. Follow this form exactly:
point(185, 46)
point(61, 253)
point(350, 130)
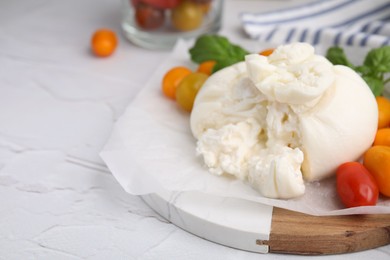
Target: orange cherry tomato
point(206, 67)
point(355, 185)
point(103, 42)
point(377, 161)
point(382, 137)
point(172, 79)
point(383, 112)
point(267, 52)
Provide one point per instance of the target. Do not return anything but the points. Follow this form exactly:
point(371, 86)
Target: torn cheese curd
point(293, 77)
point(278, 121)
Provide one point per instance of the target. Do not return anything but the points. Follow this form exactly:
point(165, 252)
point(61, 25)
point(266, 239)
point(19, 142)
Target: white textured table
point(57, 106)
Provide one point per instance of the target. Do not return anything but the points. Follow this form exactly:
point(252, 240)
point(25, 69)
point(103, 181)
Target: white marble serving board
point(231, 222)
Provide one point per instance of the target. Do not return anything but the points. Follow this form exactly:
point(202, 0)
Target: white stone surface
point(57, 106)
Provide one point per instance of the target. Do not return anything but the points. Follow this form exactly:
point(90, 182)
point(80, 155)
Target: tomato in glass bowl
point(157, 24)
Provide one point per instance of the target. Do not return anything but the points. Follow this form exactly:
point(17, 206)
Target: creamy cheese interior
point(259, 120)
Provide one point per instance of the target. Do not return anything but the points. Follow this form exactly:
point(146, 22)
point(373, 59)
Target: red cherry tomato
point(163, 4)
point(202, 1)
point(134, 3)
point(149, 17)
point(355, 185)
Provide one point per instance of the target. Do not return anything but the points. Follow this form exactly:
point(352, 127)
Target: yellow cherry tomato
point(187, 16)
point(188, 88)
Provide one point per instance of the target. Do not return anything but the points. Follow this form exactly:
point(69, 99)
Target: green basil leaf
point(337, 56)
point(373, 70)
point(376, 85)
point(378, 59)
point(363, 70)
point(217, 48)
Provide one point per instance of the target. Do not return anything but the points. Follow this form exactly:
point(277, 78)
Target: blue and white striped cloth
point(325, 22)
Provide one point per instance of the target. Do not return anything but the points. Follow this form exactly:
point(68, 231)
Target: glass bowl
point(157, 24)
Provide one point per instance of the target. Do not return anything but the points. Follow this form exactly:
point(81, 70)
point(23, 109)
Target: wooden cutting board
point(297, 233)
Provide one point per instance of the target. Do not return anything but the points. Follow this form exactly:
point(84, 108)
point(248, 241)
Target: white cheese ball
point(279, 120)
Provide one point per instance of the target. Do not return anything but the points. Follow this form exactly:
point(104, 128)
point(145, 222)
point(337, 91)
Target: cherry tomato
point(206, 67)
point(134, 3)
point(188, 88)
point(355, 185)
point(383, 112)
point(267, 52)
point(172, 79)
point(202, 1)
point(377, 161)
point(205, 5)
point(187, 16)
point(149, 17)
point(163, 4)
point(382, 137)
point(103, 42)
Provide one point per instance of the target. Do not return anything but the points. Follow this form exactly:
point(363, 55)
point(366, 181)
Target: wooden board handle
point(298, 233)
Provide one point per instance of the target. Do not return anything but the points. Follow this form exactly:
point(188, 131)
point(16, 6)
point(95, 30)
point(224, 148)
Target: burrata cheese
point(278, 121)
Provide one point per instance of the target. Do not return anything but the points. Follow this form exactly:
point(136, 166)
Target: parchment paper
point(151, 149)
